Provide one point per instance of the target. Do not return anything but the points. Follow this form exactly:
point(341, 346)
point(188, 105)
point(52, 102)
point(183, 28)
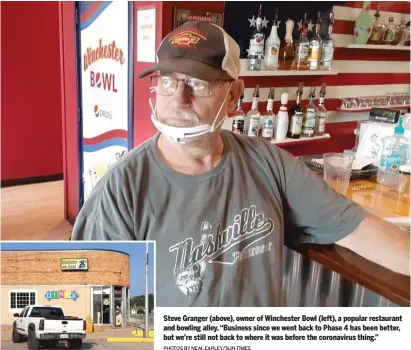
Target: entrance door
point(102, 298)
point(106, 305)
point(118, 306)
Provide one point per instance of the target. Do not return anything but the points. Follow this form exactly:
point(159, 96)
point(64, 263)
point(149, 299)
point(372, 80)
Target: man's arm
point(382, 243)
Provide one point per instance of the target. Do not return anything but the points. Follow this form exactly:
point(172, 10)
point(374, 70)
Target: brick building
point(91, 284)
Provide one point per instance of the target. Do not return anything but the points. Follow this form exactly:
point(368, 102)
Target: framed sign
point(146, 35)
point(181, 16)
point(74, 264)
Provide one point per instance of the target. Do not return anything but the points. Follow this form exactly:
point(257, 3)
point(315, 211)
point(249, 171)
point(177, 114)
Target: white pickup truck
point(46, 326)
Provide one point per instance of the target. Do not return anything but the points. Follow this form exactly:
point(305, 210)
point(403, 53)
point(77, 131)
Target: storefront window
point(127, 305)
point(20, 299)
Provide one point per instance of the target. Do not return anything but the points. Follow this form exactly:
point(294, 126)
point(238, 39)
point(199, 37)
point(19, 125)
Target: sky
point(136, 250)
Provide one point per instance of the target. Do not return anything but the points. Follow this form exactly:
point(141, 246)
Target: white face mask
point(179, 134)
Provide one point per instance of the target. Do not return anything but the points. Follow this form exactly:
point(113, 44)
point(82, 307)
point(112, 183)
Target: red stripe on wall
point(343, 53)
point(342, 26)
point(331, 80)
point(390, 6)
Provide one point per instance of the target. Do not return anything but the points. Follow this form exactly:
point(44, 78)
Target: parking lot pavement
point(87, 344)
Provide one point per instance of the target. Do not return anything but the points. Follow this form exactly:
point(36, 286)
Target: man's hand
point(381, 242)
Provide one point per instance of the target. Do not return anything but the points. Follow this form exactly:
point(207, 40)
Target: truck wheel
point(15, 337)
point(32, 342)
point(76, 343)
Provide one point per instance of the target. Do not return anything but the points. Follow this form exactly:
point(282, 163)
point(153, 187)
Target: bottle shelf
point(379, 47)
point(266, 73)
point(364, 110)
point(281, 72)
point(301, 140)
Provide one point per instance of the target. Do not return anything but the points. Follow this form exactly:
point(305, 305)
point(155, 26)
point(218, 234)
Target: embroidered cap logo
point(187, 37)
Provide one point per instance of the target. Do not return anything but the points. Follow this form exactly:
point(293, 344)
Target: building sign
point(61, 294)
point(105, 103)
point(74, 264)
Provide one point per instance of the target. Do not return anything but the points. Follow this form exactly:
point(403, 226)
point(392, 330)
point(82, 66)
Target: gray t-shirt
point(219, 235)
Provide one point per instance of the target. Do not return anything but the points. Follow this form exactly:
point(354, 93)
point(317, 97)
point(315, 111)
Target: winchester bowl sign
point(103, 62)
point(74, 264)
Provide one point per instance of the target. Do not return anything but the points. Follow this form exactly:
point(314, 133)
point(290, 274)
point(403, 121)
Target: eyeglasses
point(167, 86)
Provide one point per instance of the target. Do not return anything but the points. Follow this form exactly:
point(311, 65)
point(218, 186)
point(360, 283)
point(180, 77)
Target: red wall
point(31, 127)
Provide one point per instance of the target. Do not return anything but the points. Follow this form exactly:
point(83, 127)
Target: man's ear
point(235, 93)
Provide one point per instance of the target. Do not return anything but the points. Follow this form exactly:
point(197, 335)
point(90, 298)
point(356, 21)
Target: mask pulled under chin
point(181, 134)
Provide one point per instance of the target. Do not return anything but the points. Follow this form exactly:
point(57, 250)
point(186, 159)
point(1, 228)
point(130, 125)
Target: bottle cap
point(405, 169)
point(284, 98)
point(399, 130)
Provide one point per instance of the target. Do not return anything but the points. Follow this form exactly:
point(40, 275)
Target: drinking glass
point(363, 102)
point(397, 98)
point(337, 170)
point(376, 101)
point(384, 101)
point(390, 99)
point(344, 103)
point(354, 103)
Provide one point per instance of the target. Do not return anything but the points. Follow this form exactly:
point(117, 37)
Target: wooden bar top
point(386, 203)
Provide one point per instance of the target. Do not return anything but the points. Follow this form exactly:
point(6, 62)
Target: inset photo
point(88, 295)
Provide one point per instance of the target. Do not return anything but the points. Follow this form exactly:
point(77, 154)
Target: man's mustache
point(187, 115)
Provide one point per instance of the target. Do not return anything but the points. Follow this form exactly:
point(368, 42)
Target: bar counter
point(330, 275)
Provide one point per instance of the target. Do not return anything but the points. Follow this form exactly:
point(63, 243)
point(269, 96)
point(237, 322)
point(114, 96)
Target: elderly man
point(207, 196)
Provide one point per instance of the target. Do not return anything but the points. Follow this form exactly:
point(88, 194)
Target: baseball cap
point(198, 49)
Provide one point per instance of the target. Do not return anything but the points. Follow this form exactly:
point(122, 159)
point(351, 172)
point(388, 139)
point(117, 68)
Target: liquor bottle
point(378, 29)
point(310, 113)
point(407, 27)
point(282, 121)
point(296, 116)
point(314, 53)
point(239, 117)
point(253, 115)
point(287, 46)
point(390, 32)
point(268, 118)
point(398, 32)
point(256, 47)
point(363, 25)
point(272, 46)
point(404, 33)
point(327, 51)
point(301, 49)
point(310, 31)
point(322, 113)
